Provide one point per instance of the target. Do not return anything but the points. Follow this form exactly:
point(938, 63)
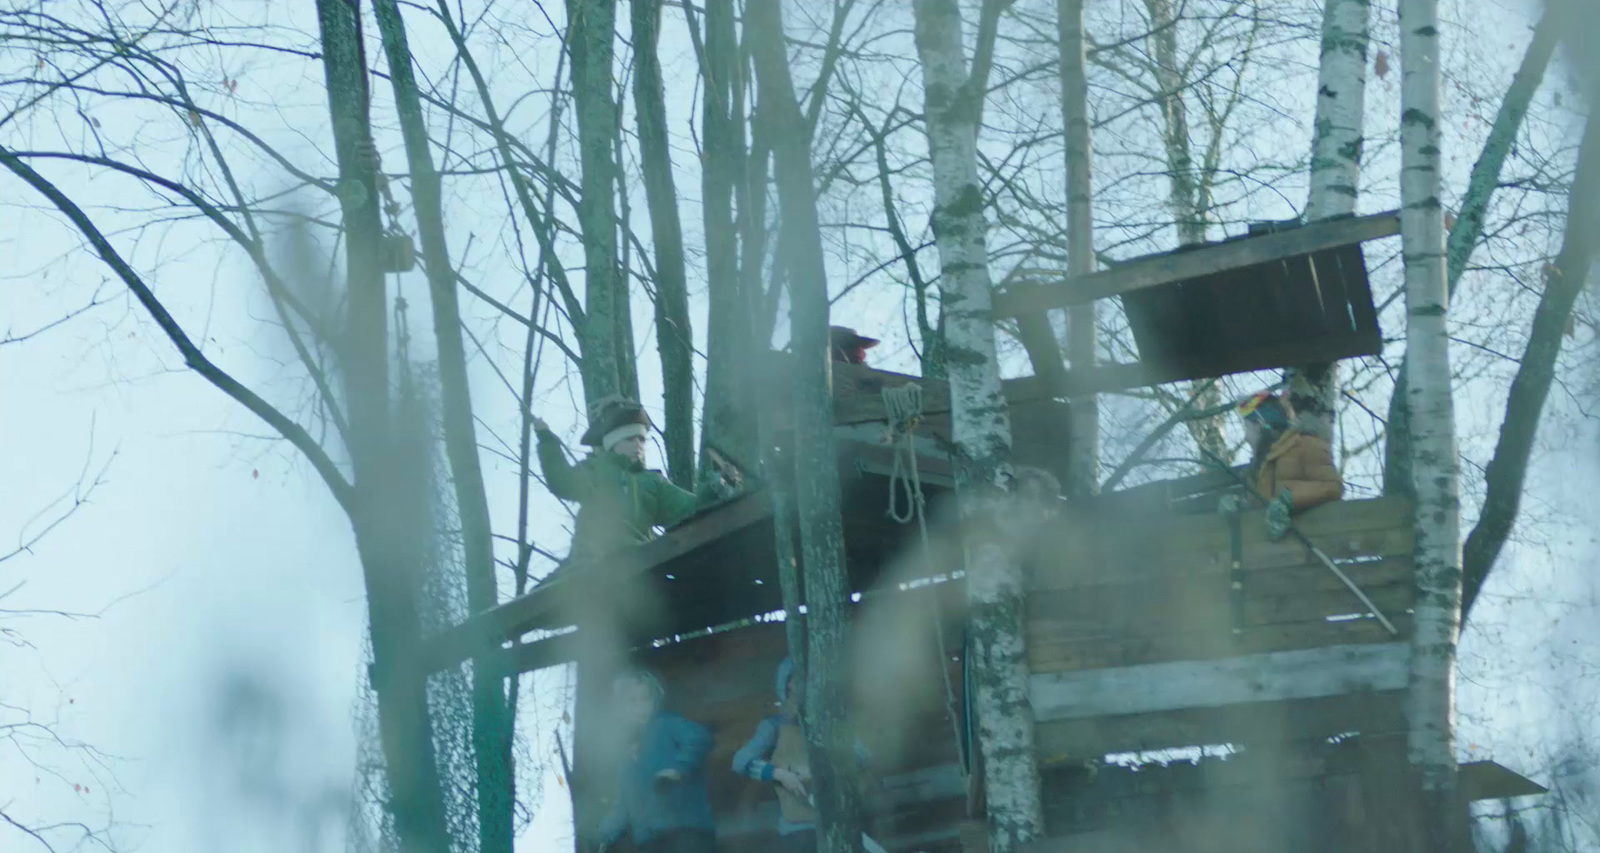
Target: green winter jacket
point(620, 502)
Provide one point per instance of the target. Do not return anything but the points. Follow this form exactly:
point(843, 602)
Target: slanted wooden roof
point(717, 567)
point(1294, 296)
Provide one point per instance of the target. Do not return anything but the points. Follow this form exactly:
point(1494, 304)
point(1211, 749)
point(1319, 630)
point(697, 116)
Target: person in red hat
point(620, 501)
point(849, 347)
point(1292, 466)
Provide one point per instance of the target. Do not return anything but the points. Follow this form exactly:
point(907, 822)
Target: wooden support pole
point(1167, 267)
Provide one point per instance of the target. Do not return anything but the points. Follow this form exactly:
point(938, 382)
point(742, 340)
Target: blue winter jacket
point(753, 760)
point(649, 808)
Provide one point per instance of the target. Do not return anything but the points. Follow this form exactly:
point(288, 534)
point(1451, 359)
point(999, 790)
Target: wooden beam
point(1105, 378)
point(1262, 723)
point(1486, 780)
point(1271, 677)
point(1168, 267)
point(488, 630)
point(896, 793)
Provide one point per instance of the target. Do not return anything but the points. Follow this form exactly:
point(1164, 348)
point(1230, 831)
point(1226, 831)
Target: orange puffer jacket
point(1303, 464)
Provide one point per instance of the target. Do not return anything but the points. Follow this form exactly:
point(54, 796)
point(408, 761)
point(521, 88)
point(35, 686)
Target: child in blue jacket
point(662, 799)
point(777, 754)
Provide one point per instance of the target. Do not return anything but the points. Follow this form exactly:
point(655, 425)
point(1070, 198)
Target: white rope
point(904, 407)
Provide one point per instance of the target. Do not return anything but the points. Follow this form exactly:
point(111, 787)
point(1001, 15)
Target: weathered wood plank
point(1262, 722)
point(486, 631)
point(1167, 267)
point(1051, 650)
point(1216, 601)
point(1314, 577)
point(1086, 550)
point(1270, 677)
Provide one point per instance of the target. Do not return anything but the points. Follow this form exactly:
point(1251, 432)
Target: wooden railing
point(1157, 631)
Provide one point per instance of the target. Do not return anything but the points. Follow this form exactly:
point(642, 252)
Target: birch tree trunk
point(829, 733)
point(491, 717)
point(674, 339)
point(389, 552)
point(1083, 334)
point(1336, 145)
point(1437, 614)
point(590, 27)
point(1474, 208)
point(981, 424)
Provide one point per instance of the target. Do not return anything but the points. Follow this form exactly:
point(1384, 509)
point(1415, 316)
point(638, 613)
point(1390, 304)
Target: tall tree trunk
point(591, 25)
point(674, 340)
point(1437, 615)
point(778, 468)
point(981, 425)
point(1336, 144)
point(1468, 229)
point(388, 562)
point(1083, 334)
point(829, 735)
point(1188, 197)
point(491, 717)
point(1564, 281)
point(726, 424)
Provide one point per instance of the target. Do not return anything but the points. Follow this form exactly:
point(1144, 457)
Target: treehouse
point(1154, 626)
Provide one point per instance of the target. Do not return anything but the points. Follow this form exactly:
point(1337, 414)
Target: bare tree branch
point(192, 356)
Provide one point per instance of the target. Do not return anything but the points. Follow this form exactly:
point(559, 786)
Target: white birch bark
point(1336, 141)
point(1336, 144)
point(981, 424)
point(1437, 615)
point(1083, 452)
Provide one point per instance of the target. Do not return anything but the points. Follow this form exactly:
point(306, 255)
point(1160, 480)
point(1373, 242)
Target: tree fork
point(674, 339)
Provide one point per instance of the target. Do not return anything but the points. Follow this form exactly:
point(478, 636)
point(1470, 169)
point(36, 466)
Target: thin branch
point(192, 356)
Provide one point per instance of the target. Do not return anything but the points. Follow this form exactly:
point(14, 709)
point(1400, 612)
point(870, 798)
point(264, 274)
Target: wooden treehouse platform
point(1150, 626)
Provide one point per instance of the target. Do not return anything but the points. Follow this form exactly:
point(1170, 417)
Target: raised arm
point(564, 480)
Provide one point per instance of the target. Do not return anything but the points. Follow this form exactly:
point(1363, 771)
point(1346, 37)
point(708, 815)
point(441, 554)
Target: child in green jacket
point(620, 502)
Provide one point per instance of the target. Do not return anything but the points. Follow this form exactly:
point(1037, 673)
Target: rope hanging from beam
point(904, 407)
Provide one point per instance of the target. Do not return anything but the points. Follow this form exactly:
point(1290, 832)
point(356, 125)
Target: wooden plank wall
point(1111, 592)
point(726, 682)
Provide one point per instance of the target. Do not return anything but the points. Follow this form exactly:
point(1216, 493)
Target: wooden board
point(1179, 685)
point(1168, 267)
point(1268, 722)
point(1089, 548)
point(1049, 651)
point(1486, 780)
point(1131, 591)
point(726, 682)
point(1302, 815)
